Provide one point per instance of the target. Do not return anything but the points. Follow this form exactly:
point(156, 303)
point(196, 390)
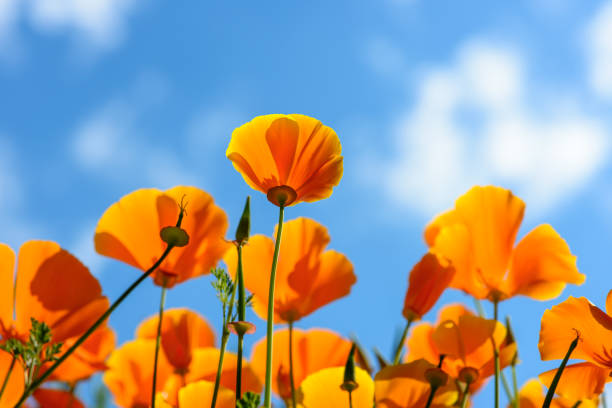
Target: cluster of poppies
point(54, 335)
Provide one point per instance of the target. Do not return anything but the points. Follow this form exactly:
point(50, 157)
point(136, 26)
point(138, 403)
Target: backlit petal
point(7, 283)
point(14, 386)
point(579, 381)
point(50, 398)
point(322, 389)
point(577, 317)
point(542, 264)
point(428, 279)
point(199, 394)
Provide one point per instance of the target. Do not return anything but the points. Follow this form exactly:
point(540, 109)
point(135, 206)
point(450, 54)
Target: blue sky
point(102, 97)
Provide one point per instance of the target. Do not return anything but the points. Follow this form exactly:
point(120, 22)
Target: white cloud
point(384, 57)
point(110, 142)
point(473, 122)
point(599, 51)
point(97, 23)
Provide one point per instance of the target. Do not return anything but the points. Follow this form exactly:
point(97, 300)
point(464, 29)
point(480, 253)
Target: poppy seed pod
point(174, 236)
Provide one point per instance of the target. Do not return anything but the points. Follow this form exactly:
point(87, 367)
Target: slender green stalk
point(515, 400)
point(604, 404)
point(160, 317)
point(94, 326)
point(8, 374)
point(291, 364)
point(241, 318)
point(431, 396)
point(479, 308)
point(219, 369)
point(577, 404)
point(553, 386)
point(400, 345)
point(496, 354)
point(350, 393)
point(506, 386)
point(464, 399)
point(270, 322)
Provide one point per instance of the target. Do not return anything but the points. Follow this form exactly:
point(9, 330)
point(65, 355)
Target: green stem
point(577, 404)
point(464, 399)
point(496, 354)
point(604, 404)
point(8, 374)
point(506, 386)
point(160, 317)
point(555, 381)
point(239, 368)
point(400, 345)
point(515, 400)
point(291, 380)
point(431, 396)
point(93, 327)
point(350, 393)
point(224, 338)
point(270, 322)
point(479, 308)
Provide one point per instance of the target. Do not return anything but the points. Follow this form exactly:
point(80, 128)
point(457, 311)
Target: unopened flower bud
point(244, 226)
point(174, 236)
point(350, 384)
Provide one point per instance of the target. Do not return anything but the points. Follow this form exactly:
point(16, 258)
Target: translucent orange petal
point(432, 229)
point(204, 367)
point(183, 331)
point(307, 278)
point(428, 279)
point(199, 394)
point(14, 386)
point(129, 231)
point(55, 287)
point(7, 283)
point(313, 350)
point(322, 389)
point(541, 265)
point(130, 374)
point(293, 150)
point(609, 303)
point(404, 385)
point(465, 338)
point(577, 316)
point(421, 345)
point(579, 381)
point(88, 359)
point(531, 395)
point(50, 398)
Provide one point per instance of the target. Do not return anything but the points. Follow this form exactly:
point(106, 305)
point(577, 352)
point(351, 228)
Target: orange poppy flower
point(313, 350)
point(307, 276)
point(54, 287)
point(14, 385)
point(130, 373)
point(532, 395)
point(578, 316)
point(405, 385)
point(199, 394)
point(129, 231)
point(579, 382)
point(465, 340)
point(322, 389)
point(292, 155)
point(478, 237)
point(183, 331)
point(427, 281)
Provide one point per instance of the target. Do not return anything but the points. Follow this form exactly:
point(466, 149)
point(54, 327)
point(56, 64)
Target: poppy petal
point(542, 264)
point(579, 381)
point(7, 284)
point(322, 389)
point(199, 394)
point(14, 385)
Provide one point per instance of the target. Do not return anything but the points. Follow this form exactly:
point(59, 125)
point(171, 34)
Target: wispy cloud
point(475, 121)
point(598, 42)
point(93, 24)
point(111, 143)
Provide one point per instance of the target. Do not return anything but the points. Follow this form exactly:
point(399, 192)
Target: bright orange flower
point(307, 276)
point(292, 155)
point(579, 382)
point(405, 385)
point(465, 340)
point(129, 231)
point(322, 389)
point(54, 287)
point(183, 331)
point(313, 350)
point(577, 316)
point(427, 281)
point(532, 395)
point(199, 394)
point(130, 374)
point(14, 385)
point(478, 237)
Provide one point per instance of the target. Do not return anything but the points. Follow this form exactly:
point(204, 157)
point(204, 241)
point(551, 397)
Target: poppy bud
point(349, 383)
point(174, 236)
point(468, 375)
point(436, 377)
point(244, 226)
point(281, 196)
